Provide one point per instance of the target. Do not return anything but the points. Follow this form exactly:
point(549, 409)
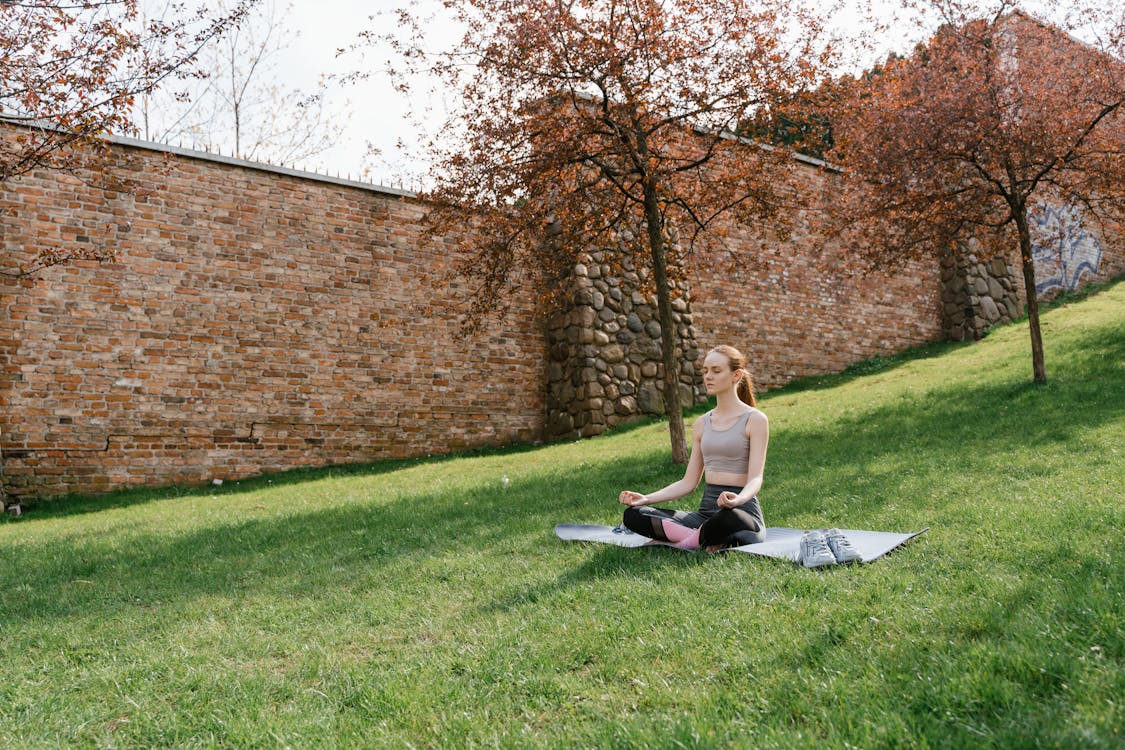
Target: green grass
point(422, 604)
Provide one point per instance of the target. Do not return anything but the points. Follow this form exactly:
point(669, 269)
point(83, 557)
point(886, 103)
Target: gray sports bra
point(728, 450)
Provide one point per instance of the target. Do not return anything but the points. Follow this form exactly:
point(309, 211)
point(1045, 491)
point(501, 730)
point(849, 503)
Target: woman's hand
point(728, 500)
point(632, 498)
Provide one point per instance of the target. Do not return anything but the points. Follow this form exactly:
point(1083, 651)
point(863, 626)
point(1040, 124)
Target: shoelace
point(844, 545)
point(817, 545)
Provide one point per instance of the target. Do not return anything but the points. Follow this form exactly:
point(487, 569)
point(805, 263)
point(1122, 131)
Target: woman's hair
point(738, 362)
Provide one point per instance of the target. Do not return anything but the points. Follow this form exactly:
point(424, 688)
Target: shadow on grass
point(298, 554)
point(600, 562)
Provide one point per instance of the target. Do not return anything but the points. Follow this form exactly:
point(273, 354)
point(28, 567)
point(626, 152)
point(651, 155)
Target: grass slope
point(424, 604)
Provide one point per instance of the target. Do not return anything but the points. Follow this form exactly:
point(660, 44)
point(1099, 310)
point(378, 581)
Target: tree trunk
point(1038, 369)
point(668, 337)
point(3, 494)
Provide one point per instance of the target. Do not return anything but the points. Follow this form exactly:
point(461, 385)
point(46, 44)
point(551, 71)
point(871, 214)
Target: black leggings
point(725, 527)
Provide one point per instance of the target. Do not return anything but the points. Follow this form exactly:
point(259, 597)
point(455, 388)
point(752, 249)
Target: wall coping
point(218, 158)
point(369, 186)
point(190, 153)
point(233, 161)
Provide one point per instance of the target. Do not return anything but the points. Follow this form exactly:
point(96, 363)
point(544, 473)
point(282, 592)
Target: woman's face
point(717, 375)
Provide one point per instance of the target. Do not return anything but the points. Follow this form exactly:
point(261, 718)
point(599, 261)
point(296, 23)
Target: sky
point(379, 114)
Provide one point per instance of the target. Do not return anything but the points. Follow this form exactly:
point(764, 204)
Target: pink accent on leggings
point(682, 536)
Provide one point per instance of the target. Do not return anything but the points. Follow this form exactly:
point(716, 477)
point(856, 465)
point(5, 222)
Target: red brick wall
point(257, 321)
point(253, 322)
point(796, 312)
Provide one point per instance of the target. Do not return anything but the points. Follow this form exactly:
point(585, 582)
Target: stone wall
point(605, 365)
point(977, 295)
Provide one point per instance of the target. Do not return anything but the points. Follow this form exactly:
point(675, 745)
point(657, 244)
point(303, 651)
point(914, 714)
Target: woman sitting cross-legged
point(729, 447)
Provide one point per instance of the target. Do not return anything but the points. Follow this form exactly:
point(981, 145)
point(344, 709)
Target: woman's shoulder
point(756, 417)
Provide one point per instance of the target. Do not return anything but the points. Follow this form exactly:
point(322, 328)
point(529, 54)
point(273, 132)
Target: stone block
point(649, 399)
point(988, 310)
point(995, 290)
point(584, 296)
point(585, 316)
point(613, 353)
point(560, 423)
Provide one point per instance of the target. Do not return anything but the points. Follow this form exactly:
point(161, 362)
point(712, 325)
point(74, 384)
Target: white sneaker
point(814, 551)
point(842, 549)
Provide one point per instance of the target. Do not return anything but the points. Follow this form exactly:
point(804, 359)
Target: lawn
point(427, 603)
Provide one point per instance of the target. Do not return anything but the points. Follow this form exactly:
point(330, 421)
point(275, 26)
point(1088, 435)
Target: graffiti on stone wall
point(1063, 250)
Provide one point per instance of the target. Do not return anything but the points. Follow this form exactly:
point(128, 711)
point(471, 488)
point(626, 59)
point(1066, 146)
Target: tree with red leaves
point(583, 122)
point(959, 144)
point(70, 72)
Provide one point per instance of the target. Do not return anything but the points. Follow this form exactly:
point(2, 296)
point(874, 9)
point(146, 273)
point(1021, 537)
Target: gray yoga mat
point(781, 542)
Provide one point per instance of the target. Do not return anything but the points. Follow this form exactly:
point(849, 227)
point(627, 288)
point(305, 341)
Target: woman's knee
point(634, 520)
point(732, 527)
